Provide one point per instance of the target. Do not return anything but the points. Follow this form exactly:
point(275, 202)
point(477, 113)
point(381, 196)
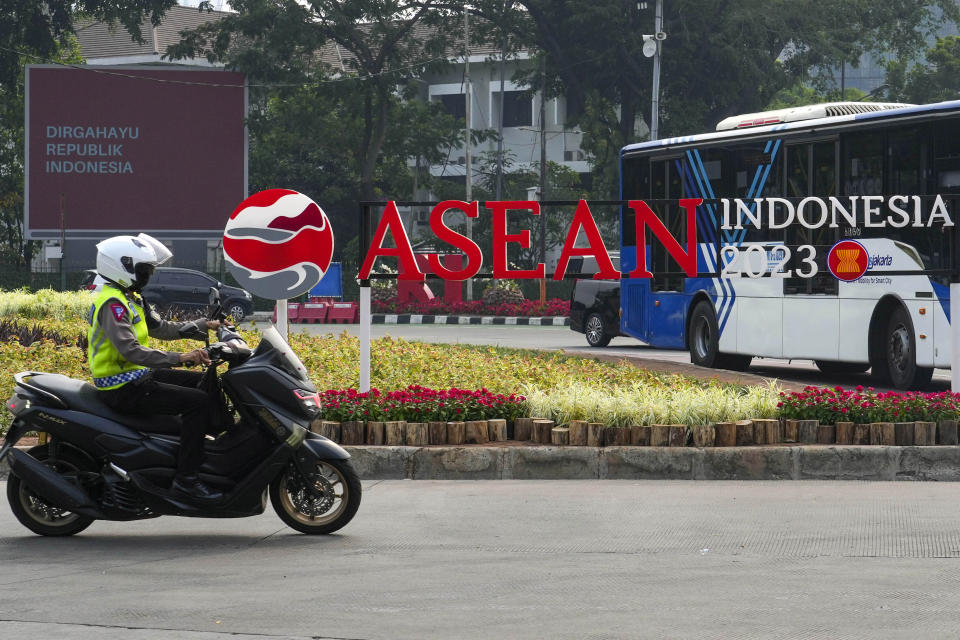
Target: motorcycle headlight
point(309, 400)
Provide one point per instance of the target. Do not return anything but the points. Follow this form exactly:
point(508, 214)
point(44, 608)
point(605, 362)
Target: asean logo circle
point(278, 244)
point(848, 260)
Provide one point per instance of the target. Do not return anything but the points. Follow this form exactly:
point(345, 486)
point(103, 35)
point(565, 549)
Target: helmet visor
point(142, 272)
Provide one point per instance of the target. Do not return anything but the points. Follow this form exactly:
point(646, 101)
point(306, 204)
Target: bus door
point(665, 310)
point(753, 308)
point(633, 291)
point(811, 307)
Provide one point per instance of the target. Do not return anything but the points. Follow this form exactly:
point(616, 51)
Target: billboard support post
point(63, 242)
point(282, 318)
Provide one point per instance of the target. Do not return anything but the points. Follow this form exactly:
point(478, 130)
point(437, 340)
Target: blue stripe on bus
point(728, 293)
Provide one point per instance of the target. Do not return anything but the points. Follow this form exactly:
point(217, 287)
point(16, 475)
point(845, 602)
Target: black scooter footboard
point(50, 485)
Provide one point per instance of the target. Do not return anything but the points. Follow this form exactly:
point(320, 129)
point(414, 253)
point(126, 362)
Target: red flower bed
point(830, 406)
point(527, 308)
point(419, 404)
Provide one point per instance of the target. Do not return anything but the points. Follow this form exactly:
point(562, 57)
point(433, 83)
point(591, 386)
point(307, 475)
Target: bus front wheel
point(704, 336)
point(900, 353)
point(705, 342)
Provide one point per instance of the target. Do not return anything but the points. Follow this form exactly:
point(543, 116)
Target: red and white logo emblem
point(848, 260)
point(278, 244)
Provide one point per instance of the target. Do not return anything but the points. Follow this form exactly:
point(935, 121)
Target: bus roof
point(888, 112)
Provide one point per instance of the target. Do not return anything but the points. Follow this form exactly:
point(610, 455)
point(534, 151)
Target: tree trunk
point(456, 432)
point(578, 433)
point(352, 432)
point(744, 433)
point(640, 435)
point(418, 434)
point(659, 435)
point(725, 434)
point(438, 432)
point(375, 433)
point(476, 432)
point(523, 429)
point(595, 434)
point(844, 433)
point(396, 433)
point(497, 430)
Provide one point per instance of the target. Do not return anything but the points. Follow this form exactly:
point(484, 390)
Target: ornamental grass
point(513, 382)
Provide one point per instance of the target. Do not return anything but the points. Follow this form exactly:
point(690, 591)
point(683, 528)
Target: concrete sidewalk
point(797, 462)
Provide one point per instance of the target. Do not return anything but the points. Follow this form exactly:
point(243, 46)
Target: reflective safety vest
point(110, 370)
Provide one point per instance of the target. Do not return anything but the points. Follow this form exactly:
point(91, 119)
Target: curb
point(414, 318)
point(825, 462)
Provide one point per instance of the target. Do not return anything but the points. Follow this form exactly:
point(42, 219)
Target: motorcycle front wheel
point(321, 503)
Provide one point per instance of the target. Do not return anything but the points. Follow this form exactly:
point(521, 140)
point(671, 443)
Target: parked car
point(183, 290)
point(595, 304)
point(171, 288)
point(91, 281)
point(595, 310)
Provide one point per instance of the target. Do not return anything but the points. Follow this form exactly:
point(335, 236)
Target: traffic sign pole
point(282, 318)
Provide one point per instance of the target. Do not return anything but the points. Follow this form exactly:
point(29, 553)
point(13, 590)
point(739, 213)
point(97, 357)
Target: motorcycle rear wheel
point(34, 512)
point(320, 504)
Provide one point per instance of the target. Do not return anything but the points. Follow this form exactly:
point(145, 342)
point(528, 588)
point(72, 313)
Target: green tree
point(14, 248)
point(935, 80)
point(719, 59)
point(41, 31)
point(38, 27)
point(801, 95)
point(383, 44)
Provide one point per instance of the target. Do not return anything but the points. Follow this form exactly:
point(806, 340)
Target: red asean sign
point(278, 244)
point(848, 260)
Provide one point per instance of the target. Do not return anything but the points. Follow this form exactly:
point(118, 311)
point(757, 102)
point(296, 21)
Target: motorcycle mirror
point(214, 296)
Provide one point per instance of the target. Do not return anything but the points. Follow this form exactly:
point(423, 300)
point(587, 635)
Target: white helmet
point(129, 261)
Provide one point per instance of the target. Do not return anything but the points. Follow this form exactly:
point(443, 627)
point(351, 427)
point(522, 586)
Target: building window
point(517, 108)
point(454, 103)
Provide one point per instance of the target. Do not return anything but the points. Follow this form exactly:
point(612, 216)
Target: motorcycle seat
point(83, 396)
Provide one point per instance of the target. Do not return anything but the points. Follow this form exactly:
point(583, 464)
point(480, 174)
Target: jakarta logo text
point(848, 260)
point(278, 243)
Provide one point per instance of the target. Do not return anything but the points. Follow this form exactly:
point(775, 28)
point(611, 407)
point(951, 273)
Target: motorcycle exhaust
point(51, 486)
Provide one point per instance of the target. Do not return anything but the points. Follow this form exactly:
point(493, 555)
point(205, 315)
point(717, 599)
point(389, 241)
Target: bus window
point(907, 155)
point(811, 171)
point(667, 180)
point(635, 186)
point(863, 164)
point(947, 157)
point(798, 171)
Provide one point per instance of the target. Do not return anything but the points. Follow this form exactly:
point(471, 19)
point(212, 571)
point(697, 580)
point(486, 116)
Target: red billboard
point(124, 149)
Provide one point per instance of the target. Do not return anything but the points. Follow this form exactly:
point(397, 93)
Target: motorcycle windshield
point(284, 351)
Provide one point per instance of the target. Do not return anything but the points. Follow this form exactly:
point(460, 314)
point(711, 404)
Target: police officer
point(134, 378)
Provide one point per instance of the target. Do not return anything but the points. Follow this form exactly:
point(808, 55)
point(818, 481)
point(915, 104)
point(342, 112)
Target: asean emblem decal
point(278, 244)
point(848, 260)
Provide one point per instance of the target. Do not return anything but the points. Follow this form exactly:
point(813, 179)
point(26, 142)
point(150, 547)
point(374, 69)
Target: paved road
point(801, 372)
point(517, 560)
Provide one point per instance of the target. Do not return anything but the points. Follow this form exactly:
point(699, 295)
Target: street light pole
point(655, 107)
point(468, 98)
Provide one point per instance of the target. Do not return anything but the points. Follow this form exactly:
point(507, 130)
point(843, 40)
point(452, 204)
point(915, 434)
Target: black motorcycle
point(98, 464)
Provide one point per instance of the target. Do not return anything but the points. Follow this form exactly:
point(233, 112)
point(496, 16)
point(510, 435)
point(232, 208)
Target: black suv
point(186, 289)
